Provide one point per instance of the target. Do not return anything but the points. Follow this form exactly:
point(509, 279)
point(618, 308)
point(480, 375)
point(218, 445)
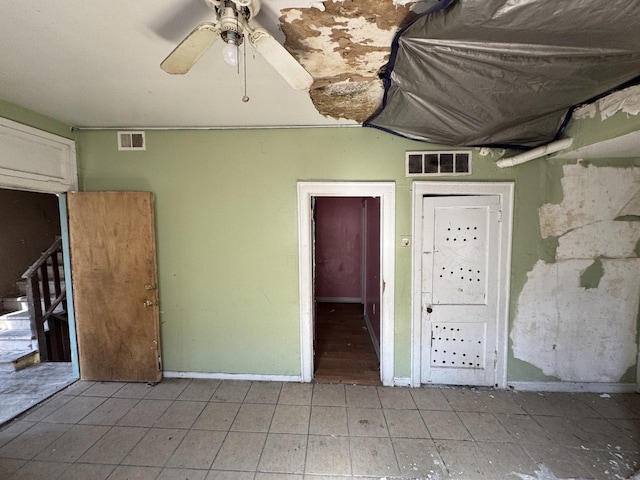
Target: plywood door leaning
point(459, 289)
point(113, 258)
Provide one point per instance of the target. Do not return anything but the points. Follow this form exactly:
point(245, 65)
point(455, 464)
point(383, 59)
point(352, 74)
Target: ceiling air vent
point(131, 141)
point(428, 163)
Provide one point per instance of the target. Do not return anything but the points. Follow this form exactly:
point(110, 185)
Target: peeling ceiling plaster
point(343, 45)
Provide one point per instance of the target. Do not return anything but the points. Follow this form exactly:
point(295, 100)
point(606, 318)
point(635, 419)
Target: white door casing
point(459, 317)
point(386, 191)
point(37, 161)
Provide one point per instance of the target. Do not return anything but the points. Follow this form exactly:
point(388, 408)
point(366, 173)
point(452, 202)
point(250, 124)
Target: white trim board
point(339, 299)
point(506, 192)
point(372, 335)
point(386, 192)
point(574, 387)
point(33, 160)
point(232, 376)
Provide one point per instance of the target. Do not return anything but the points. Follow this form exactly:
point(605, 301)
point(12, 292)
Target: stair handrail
point(55, 248)
point(38, 293)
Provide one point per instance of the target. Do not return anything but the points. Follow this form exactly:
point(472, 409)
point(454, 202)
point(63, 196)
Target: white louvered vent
point(131, 141)
point(430, 163)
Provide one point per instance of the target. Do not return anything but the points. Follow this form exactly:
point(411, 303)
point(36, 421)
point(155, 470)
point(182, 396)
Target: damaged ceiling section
point(343, 45)
point(506, 73)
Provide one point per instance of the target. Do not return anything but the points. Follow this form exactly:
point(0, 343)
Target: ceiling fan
point(231, 24)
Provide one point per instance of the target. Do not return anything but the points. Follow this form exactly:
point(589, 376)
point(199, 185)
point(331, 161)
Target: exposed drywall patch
point(577, 315)
point(590, 195)
point(343, 47)
point(585, 111)
point(595, 240)
point(627, 101)
point(591, 276)
point(576, 334)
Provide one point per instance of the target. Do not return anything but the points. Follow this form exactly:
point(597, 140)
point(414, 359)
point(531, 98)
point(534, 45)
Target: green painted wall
point(226, 224)
point(226, 220)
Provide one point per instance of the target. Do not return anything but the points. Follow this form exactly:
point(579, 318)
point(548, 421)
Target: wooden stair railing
point(53, 345)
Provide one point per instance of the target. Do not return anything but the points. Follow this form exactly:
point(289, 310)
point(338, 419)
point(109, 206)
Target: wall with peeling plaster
point(576, 317)
point(228, 254)
point(577, 314)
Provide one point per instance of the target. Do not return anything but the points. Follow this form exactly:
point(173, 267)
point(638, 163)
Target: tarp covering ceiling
point(506, 72)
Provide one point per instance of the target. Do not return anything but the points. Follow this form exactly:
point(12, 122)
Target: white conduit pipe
point(535, 153)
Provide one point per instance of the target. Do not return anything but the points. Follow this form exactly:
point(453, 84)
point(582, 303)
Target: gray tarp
point(506, 72)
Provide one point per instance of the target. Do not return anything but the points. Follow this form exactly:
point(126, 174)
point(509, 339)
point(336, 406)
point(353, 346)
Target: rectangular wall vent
point(131, 141)
point(446, 162)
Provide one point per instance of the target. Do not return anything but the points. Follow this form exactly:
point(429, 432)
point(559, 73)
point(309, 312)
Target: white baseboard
point(233, 376)
point(338, 299)
point(374, 340)
point(401, 381)
point(574, 387)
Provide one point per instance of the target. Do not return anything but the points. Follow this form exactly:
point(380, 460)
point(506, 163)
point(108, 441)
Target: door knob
point(429, 309)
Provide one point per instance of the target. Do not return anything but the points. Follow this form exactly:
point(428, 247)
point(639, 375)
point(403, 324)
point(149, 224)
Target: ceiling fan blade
point(280, 59)
point(187, 53)
point(174, 23)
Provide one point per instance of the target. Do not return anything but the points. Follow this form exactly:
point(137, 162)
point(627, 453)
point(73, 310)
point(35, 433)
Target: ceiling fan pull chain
point(245, 99)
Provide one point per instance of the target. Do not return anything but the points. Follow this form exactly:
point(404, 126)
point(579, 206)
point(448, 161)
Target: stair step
point(14, 360)
point(19, 303)
point(15, 334)
point(14, 303)
point(22, 286)
point(15, 320)
point(7, 345)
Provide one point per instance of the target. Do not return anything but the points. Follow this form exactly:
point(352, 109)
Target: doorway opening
point(35, 345)
point(384, 195)
point(347, 290)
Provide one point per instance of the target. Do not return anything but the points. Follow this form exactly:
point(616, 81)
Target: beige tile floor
point(240, 430)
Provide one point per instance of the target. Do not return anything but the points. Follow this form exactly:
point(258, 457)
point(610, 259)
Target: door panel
point(459, 289)
point(113, 262)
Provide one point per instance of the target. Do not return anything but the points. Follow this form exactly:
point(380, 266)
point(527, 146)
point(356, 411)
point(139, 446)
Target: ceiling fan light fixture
point(231, 54)
point(230, 50)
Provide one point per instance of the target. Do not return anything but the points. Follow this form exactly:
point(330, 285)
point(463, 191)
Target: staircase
point(19, 346)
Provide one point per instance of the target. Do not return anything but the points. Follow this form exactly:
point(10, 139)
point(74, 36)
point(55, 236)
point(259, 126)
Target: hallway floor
point(344, 351)
point(25, 388)
point(241, 430)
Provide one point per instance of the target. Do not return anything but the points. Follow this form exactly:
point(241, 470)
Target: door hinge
point(495, 359)
point(499, 216)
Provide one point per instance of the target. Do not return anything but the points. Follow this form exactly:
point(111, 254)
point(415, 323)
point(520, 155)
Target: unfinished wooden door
point(113, 264)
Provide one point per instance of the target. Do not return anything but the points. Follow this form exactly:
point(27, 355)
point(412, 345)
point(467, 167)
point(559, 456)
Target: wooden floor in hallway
point(344, 351)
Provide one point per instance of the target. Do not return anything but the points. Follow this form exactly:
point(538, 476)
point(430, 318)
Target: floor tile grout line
point(226, 432)
point(266, 437)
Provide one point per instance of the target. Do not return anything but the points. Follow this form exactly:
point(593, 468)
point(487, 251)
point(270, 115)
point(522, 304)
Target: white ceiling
point(95, 63)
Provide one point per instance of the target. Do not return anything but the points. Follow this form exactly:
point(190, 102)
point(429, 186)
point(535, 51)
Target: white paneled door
point(459, 285)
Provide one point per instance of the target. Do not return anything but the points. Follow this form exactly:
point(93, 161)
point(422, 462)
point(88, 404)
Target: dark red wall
point(338, 249)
